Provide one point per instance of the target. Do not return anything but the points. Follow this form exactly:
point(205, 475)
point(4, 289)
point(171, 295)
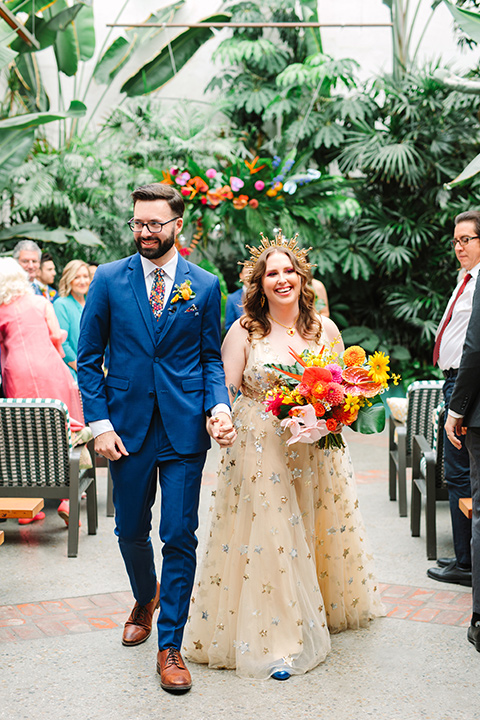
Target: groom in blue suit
point(153, 413)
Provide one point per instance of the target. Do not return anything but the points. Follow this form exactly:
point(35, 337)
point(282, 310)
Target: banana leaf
point(121, 50)
point(48, 29)
point(20, 230)
point(59, 236)
point(159, 71)
point(28, 6)
point(6, 56)
point(313, 39)
point(15, 144)
point(469, 21)
point(371, 418)
point(84, 30)
point(33, 120)
point(85, 237)
point(31, 88)
point(472, 169)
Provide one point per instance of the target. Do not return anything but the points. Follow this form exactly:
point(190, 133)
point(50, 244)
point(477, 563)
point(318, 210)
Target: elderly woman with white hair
point(72, 289)
point(31, 347)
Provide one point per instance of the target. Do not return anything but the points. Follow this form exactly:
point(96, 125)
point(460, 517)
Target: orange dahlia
point(354, 355)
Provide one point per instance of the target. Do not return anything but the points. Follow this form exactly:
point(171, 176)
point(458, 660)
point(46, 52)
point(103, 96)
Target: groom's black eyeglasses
point(153, 226)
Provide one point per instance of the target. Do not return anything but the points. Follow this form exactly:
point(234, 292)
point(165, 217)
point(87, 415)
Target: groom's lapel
point(171, 311)
point(137, 281)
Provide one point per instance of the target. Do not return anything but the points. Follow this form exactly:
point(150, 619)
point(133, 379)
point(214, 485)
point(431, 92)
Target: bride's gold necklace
point(290, 330)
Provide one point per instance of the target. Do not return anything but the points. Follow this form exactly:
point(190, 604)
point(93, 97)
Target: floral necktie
point(157, 293)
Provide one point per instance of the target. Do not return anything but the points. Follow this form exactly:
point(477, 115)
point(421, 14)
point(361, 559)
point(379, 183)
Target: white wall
point(370, 47)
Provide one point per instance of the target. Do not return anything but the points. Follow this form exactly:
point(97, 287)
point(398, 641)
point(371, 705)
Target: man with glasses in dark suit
point(465, 413)
point(447, 353)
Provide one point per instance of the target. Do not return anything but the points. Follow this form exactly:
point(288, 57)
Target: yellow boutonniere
point(183, 292)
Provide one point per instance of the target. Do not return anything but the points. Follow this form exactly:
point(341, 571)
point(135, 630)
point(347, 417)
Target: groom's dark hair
point(159, 191)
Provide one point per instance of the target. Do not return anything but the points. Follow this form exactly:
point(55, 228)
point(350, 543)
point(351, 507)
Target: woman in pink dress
point(31, 348)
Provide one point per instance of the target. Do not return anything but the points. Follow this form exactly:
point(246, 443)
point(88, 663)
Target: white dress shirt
point(453, 338)
point(169, 269)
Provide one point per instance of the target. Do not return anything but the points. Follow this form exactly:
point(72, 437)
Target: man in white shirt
point(449, 343)
point(464, 421)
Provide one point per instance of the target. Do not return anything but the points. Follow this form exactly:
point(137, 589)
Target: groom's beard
point(157, 250)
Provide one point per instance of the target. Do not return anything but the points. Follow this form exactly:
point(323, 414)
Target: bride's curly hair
point(255, 319)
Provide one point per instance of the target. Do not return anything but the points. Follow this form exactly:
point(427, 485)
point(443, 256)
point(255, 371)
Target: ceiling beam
point(292, 25)
point(16, 25)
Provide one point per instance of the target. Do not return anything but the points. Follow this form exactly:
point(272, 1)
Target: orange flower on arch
point(251, 165)
point(240, 202)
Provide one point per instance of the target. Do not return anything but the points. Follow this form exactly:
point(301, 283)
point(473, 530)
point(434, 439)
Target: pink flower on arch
point(183, 178)
point(259, 185)
point(236, 184)
point(211, 173)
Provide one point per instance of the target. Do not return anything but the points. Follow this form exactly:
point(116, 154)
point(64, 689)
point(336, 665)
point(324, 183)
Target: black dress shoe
point(451, 574)
point(473, 635)
point(443, 562)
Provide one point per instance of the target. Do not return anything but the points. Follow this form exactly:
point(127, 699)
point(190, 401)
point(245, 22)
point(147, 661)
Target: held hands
point(110, 445)
point(221, 429)
point(453, 428)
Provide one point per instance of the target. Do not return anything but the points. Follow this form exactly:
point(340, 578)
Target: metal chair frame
point(428, 481)
point(37, 459)
point(423, 397)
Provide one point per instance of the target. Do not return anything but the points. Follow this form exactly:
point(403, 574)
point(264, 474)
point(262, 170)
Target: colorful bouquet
point(322, 392)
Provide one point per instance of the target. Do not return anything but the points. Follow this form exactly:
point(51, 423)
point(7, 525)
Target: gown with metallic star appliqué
point(286, 562)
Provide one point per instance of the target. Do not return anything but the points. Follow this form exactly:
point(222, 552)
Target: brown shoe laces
point(140, 616)
point(174, 658)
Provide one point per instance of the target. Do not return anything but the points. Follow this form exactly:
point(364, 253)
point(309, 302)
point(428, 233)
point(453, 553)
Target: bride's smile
point(280, 282)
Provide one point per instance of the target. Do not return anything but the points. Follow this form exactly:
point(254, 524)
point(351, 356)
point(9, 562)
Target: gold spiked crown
point(279, 241)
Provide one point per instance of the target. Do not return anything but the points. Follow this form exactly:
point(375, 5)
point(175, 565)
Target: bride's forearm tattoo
point(233, 391)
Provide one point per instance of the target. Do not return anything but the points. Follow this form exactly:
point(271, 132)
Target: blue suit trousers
point(134, 490)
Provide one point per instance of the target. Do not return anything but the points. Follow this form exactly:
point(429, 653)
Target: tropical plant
point(407, 214)
point(68, 27)
point(407, 32)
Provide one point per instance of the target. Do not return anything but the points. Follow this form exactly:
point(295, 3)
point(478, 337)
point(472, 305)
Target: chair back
point(438, 443)
point(35, 443)
point(423, 397)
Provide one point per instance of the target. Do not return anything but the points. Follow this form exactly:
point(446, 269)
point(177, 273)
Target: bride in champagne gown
point(286, 562)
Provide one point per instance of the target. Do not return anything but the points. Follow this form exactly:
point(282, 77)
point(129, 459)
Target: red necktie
point(436, 349)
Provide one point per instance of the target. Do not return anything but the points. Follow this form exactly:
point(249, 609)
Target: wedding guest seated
point(46, 276)
point(28, 254)
point(31, 349)
point(321, 297)
point(234, 306)
point(92, 268)
point(72, 289)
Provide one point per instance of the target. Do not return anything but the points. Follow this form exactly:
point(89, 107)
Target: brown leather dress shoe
point(174, 675)
point(138, 627)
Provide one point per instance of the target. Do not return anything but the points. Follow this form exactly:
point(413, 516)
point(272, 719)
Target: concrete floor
point(398, 669)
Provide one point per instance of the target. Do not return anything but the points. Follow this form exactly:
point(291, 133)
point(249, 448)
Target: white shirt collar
point(170, 268)
point(474, 271)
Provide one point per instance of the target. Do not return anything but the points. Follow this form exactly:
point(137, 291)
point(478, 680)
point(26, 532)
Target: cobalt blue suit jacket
point(174, 362)
point(234, 308)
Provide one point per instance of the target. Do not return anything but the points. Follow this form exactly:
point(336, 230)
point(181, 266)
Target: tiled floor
point(104, 612)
